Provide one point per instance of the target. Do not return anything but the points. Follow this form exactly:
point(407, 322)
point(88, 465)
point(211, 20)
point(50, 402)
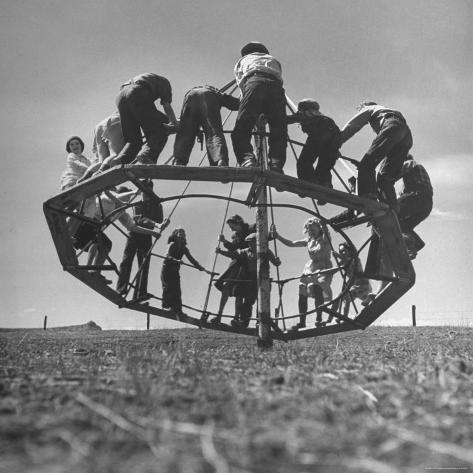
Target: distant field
point(188, 401)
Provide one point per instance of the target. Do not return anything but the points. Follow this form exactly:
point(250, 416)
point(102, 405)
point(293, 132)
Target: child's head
point(254, 47)
point(75, 145)
point(344, 249)
point(178, 235)
point(312, 227)
point(235, 222)
point(308, 107)
point(365, 103)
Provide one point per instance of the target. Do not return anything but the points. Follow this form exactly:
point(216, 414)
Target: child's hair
point(346, 247)
point(365, 103)
point(308, 107)
point(176, 234)
point(68, 142)
point(311, 222)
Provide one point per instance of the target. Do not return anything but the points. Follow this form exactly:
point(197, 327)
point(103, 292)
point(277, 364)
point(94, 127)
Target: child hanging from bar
point(323, 142)
point(316, 278)
point(246, 289)
point(170, 277)
point(361, 287)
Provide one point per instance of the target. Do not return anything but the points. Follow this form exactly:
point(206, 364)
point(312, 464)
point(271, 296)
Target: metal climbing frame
point(382, 220)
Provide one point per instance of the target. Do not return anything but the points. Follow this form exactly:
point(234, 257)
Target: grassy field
point(189, 401)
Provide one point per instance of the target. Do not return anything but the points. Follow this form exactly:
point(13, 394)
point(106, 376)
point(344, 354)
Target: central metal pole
point(264, 285)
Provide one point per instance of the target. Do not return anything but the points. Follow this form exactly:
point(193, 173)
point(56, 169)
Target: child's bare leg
point(93, 251)
point(223, 301)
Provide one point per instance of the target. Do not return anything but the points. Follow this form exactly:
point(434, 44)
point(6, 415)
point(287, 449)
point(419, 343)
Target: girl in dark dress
point(170, 277)
point(246, 291)
point(228, 283)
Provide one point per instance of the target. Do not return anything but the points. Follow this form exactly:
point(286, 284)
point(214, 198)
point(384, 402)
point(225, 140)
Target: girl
point(312, 284)
point(246, 291)
point(361, 287)
point(170, 277)
point(228, 283)
point(77, 164)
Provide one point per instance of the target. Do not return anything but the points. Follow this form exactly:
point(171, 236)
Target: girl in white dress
point(313, 283)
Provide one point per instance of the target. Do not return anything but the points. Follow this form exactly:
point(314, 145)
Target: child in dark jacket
point(247, 288)
point(323, 142)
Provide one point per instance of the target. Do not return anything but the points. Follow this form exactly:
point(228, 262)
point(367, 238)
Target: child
point(227, 283)
point(361, 287)
point(259, 76)
point(90, 236)
point(390, 148)
point(312, 284)
point(415, 203)
point(170, 277)
point(77, 163)
point(323, 142)
point(247, 288)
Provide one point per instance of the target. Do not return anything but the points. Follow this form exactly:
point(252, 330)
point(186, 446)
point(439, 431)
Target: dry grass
point(190, 401)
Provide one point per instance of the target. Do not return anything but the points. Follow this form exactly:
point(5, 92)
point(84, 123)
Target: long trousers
point(414, 208)
point(201, 108)
point(138, 112)
point(261, 95)
point(390, 146)
point(327, 153)
point(139, 245)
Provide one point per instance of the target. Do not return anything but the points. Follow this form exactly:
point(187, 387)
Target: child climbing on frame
point(361, 287)
point(315, 281)
point(322, 144)
point(170, 274)
point(227, 283)
point(246, 289)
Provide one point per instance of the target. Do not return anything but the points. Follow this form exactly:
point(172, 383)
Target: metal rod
point(45, 322)
point(413, 315)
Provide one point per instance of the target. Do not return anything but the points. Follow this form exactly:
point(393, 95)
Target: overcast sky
point(64, 61)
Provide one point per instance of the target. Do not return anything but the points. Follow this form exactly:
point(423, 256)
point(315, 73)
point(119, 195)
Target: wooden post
point(45, 322)
point(147, 321)
point(264, 285)
point(413, 315)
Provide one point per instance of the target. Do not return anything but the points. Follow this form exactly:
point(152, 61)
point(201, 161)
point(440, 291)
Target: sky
point(63, 63)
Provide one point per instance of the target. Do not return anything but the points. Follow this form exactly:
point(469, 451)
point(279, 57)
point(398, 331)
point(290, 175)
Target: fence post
point(413, 315)
point(147, 321)
point(45, 322)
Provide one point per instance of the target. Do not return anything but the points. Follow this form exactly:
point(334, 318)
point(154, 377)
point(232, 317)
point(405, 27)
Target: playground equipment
point(387, 258)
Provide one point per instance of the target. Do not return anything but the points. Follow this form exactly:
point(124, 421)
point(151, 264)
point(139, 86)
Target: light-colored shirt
point(108, 137)
point(76, 165)
point(100, 207)
point(372, 114)
point(257, 62)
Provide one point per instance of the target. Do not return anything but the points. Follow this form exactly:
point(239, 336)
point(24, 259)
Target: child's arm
point(228, 254)
point(90, 170)
point(295, 118)
point(285, 241)
point(273, 258)
point(192, 260)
